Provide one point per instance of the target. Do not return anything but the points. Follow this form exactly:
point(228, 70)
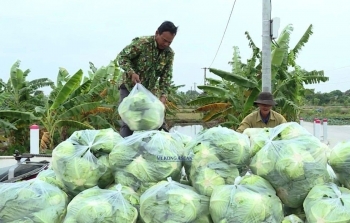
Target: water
point(190, 130)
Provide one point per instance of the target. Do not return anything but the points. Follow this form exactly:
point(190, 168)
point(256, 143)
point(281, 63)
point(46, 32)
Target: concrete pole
point(318, 129)
point(325, 135)
point(34, 139)
point(266, 46)
point(301, 121)
point(205, 75)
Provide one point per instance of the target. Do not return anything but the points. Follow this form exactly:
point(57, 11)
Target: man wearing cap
point(264, 116)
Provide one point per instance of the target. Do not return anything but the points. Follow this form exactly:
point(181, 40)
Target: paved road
point(335, 133)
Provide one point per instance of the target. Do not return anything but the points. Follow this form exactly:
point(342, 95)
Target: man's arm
point(129, 53)
point(244, 125)
point(166, 77)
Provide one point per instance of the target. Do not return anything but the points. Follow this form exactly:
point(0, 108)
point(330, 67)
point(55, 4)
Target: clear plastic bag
point(339, 160)
point(257, 138)
point(219, 155)
point(101, 205)
point(32, 201)
point(170, 201)
point(81, 161)
point(145, 158)
point(250, 199)
point(141, 110)
point(49, 176)
point(100, 141)
point(292, 219)
point(293, 161)
point(327, 203)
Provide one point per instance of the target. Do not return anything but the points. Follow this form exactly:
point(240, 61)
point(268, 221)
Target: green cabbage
point(257, 137)
point(49, 176)
point(170, 201)
point(99, 141)
point(145, 158)
point(141, 110)
point(293, 165)
point(292, 219)
point(100, 205)
point(76, 167)
point(251, 199)
point(32, 201)
point(328, 203)
point(339, 160)
point(81, 161)
point(219, 155)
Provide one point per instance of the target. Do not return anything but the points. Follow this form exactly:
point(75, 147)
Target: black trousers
point(125, 131)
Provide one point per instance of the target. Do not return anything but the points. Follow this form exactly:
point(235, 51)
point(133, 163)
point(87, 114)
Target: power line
point(224, 33)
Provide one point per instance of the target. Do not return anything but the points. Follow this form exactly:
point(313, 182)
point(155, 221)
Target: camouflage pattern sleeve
point(130, 52)
point(165, 79)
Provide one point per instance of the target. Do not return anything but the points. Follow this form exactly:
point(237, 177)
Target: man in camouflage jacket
point(148, 60)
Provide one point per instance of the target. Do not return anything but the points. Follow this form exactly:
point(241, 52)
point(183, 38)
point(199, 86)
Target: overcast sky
point(47, 34)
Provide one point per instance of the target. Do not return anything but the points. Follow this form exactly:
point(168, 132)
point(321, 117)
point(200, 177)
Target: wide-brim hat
point(265, 98)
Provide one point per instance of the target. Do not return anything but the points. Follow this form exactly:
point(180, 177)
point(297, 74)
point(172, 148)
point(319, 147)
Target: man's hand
point(135, 78)
point(163, 99)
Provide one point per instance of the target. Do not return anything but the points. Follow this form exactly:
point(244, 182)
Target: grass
point(186, 116)
point(334, 114)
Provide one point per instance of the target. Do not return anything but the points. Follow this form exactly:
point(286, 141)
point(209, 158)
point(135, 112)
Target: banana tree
point(77, 103)
point(18, 98)
point(232, 99)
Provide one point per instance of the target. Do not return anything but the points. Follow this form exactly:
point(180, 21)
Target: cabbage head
point(251, 199)
point(219, 155)
point(145, 158)
point(292, 166)
point(292, 219)
point(208, 171)
point(141, 110)
point(328, 203)
point(76, 167)
point(49, 176)
point(100, 205)
point(99, 141)
point(339, 160)
point(32, 201)
point(170, 201)
point(257, 137)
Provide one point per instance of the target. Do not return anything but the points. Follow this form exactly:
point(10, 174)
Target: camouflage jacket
point(154, 67)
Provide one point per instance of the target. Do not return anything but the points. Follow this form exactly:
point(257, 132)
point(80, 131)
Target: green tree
point(230, 100)
point(18, 98)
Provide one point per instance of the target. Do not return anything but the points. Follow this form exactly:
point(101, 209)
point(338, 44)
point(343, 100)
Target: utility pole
point(205, 75)
point(194, 85)
point(266, 46)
